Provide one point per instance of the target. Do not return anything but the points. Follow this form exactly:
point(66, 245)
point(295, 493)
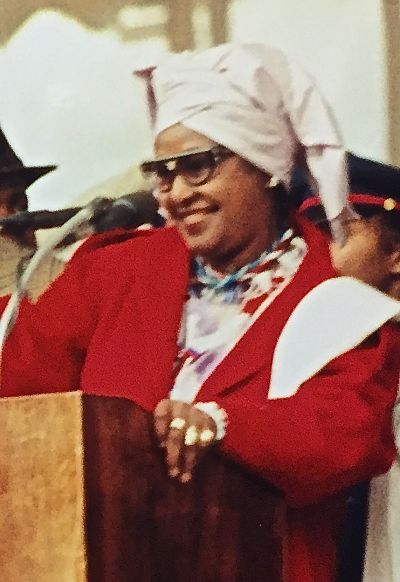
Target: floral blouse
point(221, 308)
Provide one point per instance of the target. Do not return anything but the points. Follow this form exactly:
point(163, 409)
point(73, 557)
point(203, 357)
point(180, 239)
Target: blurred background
point(68, 95)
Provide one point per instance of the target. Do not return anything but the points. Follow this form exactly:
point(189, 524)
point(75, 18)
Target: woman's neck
point(238, 258)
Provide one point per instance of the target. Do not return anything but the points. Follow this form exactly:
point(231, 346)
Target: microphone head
point(130, 211)
point(127, 212)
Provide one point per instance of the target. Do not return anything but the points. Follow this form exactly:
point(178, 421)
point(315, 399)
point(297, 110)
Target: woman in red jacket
point(230, 324)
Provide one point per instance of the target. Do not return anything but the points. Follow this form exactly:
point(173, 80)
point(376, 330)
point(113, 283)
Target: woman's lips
point(195, 212)
point(196, 218)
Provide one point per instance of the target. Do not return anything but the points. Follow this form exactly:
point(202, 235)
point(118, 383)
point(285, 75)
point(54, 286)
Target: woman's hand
point(186, 433)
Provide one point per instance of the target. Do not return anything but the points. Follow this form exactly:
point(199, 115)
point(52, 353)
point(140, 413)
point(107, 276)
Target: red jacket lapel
point(255, 350)
point(154, 310)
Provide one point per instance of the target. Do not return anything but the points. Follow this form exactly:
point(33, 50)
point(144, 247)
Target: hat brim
point(365, 204)
point(23, 176)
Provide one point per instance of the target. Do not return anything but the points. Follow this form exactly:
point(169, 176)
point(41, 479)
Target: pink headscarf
point(253, 100)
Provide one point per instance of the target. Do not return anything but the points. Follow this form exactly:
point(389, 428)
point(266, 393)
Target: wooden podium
point(85, 497)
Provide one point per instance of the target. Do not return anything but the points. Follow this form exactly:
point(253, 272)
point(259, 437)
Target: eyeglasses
point(195, 167)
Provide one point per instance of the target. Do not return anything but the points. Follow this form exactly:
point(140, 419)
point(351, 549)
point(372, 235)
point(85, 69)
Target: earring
point(273, 182)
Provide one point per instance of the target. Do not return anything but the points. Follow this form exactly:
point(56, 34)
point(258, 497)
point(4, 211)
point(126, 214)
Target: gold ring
point(191, 436)
point(178, 423)
point(206, 436)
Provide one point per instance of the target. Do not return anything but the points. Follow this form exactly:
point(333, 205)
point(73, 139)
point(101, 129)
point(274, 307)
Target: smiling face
point(229, 220)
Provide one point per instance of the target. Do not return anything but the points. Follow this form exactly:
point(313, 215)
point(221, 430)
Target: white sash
point(333, 318)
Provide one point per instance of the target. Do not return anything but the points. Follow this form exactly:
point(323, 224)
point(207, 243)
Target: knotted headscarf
point(256, 102)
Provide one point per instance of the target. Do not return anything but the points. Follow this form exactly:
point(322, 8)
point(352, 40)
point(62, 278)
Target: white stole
point(333, 318)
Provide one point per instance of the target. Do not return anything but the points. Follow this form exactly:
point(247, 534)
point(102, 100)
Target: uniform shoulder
point(123, 242)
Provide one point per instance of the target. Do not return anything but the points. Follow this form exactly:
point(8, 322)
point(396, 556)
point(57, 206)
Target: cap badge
point(389, 204)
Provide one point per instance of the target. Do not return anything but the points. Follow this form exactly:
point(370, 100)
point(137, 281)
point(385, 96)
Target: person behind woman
point(15, 180)
point(372, 254)
point(219, 323)
point(372, 251)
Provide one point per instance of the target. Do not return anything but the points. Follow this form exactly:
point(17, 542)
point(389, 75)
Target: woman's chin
point(203, 245)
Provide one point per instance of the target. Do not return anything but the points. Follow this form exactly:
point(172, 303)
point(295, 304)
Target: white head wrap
point(253, 100)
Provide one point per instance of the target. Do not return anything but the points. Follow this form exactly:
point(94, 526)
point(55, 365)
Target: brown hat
point(12, 170)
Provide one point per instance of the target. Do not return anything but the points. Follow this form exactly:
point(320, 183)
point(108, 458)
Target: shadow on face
point(13, 199)
point(371, 254)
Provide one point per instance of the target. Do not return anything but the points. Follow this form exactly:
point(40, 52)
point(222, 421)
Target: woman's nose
point(180, 191)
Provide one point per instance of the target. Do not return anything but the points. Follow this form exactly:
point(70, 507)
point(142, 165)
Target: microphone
point(18, 223)
point(129, 211)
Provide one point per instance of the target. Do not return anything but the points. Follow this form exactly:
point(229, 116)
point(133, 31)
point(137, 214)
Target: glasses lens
point(196, 168)
point(158, 174)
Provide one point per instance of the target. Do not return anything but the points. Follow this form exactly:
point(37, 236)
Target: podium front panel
point(85, 497)
point(41, 489)
point(142, 526)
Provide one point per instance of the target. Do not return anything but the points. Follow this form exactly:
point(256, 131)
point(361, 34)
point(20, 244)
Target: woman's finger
point(190, 458)
point(162, 419)
point(174, 445)
point(197, 442)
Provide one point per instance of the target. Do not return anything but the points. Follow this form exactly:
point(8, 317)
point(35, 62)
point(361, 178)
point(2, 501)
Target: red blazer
point(109, 326)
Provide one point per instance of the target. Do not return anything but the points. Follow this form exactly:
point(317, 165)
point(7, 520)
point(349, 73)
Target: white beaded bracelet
point(218, 415)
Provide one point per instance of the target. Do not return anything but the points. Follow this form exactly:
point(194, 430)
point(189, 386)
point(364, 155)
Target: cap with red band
point(358, 199)
point(372, 185)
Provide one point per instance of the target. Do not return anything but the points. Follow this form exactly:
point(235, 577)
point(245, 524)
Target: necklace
point(206, 276)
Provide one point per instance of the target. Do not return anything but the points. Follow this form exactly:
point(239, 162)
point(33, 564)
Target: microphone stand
point(75, 222)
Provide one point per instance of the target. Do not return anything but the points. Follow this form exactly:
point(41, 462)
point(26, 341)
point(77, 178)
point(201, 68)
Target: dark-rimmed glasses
point(195, 167)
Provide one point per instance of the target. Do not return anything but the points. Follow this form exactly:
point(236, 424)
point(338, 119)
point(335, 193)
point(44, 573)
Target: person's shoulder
point(124, 243)
point(114, 259)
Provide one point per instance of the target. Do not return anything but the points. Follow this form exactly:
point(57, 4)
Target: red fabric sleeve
point(46, 349)
point(335, 431)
